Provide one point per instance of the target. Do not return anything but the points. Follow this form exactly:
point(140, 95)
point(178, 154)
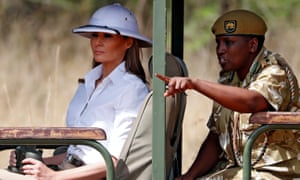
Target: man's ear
point(253, 45)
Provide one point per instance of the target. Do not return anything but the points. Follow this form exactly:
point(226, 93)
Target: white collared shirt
point(112, 106)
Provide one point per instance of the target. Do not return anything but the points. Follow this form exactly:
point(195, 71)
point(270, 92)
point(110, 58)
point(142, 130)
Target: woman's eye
point(106, 35)
point(94, 35)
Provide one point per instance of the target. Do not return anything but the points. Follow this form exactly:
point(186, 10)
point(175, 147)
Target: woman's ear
point(253, 44)
point(129, 42)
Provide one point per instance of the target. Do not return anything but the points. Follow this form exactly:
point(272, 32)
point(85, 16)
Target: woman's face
point(109, 48)
point(235, 53)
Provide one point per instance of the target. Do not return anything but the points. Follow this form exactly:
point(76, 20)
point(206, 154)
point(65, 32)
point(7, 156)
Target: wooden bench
point(269, 121)
point(58, 136)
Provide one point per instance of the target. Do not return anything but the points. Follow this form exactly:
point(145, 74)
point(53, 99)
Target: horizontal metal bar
point(252, 138)
point(92, 143)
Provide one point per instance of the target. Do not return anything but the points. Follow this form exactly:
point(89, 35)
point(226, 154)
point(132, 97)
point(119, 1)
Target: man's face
point(235, 53)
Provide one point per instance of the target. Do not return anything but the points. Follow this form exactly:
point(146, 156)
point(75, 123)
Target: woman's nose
point(99, 39)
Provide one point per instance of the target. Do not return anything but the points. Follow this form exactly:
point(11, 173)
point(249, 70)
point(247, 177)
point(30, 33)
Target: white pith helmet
point(114, 19)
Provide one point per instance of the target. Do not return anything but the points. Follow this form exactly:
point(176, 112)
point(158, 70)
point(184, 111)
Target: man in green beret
point(252, 79)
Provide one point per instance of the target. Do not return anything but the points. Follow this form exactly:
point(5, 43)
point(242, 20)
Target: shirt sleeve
point(272, 84)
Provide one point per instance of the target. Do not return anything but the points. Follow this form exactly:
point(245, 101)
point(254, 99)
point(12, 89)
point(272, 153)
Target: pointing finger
point(163, 78)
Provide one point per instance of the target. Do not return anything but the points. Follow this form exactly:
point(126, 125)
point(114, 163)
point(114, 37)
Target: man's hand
point(175, 84)
point(163, 78)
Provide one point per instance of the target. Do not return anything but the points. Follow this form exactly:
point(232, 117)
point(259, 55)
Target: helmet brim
point(87, 30)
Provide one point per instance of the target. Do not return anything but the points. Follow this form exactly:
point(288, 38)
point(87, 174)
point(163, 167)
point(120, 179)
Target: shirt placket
point(95, 92)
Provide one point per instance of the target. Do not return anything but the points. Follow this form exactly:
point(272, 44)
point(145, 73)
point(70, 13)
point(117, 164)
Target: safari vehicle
point(158, 130)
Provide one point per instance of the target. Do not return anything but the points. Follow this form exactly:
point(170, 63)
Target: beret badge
point(230, 26)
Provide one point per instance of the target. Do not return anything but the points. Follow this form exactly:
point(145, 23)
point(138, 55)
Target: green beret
point(239, 22)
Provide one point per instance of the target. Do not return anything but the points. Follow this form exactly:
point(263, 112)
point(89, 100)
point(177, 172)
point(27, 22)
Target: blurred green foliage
point(199, 15)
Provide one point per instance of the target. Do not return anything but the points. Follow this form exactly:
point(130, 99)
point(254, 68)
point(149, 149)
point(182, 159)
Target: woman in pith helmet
point(109, 96)
point(252, 79)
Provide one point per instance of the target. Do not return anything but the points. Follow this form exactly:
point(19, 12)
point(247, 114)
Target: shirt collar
point(255, 67)
point(118, 72)
point(114, 76)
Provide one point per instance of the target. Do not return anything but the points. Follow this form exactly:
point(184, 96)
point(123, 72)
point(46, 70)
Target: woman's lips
point(98, 52)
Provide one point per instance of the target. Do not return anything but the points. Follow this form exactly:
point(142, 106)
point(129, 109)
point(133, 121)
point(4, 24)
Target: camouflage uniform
point(275, 151)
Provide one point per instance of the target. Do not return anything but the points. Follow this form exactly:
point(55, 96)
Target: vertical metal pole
point(177, 45)
point(159, 126)
point(177, 28)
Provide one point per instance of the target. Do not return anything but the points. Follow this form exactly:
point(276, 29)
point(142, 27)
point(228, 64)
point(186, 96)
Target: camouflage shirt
point(270, 76)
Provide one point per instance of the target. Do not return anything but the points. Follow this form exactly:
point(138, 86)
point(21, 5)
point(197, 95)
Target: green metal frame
point(93, 143)
point(159, 56)
point(159, 126)
point(252, 138)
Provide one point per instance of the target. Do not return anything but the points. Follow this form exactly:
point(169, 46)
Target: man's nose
point(221, 48)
